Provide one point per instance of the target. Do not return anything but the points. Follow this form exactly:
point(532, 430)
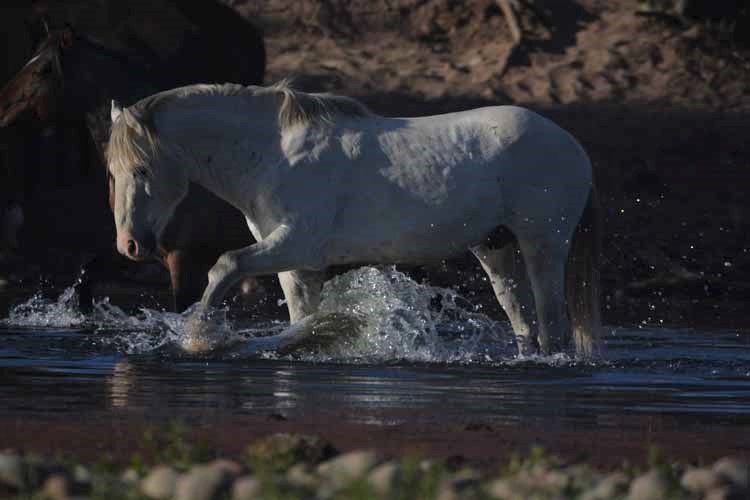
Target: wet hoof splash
point(205, 330)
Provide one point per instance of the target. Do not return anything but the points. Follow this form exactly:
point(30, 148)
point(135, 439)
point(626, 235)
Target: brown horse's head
point(34, 92)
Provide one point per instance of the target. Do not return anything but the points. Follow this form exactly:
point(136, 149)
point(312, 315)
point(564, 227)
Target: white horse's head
point(146, 182)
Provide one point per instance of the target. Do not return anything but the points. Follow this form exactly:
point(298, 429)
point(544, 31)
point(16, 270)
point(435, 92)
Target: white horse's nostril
point(132, 248)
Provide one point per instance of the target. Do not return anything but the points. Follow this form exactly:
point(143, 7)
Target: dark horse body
point(72, 76)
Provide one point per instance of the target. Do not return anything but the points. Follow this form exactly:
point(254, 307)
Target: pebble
point(230, 467)
point(506, 489)
point(698, 480)
point(347, 467)
point(723, 493)
point(11, 470)
point(201, 482)
point(81, 474)
point(382, 477)
point(447, 490)
point(160, 482)
point(129, 476)
point(547, 478)
point(301, 475)
point(57, 487)
point(650, 486)
point(246, 488)
point(294, 447)
point(613, 485)
point(735, 471)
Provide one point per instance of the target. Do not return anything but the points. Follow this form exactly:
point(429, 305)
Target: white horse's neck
point(226, 147)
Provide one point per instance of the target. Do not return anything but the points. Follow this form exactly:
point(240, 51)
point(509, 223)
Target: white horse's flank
point(322, 181)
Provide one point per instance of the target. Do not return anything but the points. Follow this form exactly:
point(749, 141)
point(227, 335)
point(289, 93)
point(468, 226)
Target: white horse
point(323, 181)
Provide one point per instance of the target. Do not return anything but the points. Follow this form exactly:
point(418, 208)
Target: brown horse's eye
point(46, 70)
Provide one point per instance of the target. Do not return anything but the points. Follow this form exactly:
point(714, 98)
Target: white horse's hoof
point(203, 332)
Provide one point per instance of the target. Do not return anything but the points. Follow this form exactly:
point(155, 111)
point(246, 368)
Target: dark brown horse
point(72, 76)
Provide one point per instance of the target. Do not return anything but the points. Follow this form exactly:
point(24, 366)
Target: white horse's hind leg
point(507, 273)
point(302, 292)
point(545, 263)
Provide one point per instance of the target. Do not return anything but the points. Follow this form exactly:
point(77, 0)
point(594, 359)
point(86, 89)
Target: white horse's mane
point(132, 139)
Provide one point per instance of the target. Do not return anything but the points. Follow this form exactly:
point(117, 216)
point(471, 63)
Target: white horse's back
point(433, 186)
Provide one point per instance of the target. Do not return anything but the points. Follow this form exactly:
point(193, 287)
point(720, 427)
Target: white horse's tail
point(582, 279)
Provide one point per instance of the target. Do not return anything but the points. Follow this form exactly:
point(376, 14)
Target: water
point(386, 351)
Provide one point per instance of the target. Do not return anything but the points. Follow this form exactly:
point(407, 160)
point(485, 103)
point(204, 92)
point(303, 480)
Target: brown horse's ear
point(66, 37)
point(37, 31)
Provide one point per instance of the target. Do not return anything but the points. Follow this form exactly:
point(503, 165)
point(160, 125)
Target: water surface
point(413, 354)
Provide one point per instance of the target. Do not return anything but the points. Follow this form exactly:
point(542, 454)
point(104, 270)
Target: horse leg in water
point(545, 260)
point(188, 272)
point(302, 292)
point(503, 263)
point(276, 253)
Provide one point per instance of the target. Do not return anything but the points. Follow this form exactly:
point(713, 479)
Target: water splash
point(399, 319)
point(368, 315)
point(43, 312)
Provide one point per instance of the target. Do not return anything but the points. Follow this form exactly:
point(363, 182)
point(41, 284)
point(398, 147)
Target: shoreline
point(472, 442)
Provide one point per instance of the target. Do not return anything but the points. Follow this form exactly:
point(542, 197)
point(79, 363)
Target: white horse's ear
point(116, 111)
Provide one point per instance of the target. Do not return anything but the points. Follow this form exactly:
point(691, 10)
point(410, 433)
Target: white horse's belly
point(411, 235)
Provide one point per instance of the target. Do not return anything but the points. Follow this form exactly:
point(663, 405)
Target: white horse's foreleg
point(545, 263)
point(507, 273)
point(302, 292)
point(274, 254)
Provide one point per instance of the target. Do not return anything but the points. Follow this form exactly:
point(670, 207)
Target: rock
point(650, 486)
point(447, 491)
point(382, 477)
point(202, 482)
point(723, 493)
point(697, 480)
point(230, 467)
point(57, 487)
point(129, 476)
point(347, 467)
point(11, 470)
point(426, 464)
point(81, 474)
point(506, 489)
point(246, 488)
point(613, 485)
point(547, 478)
point(160, 482)
point(301, 475)
point(283, 450)
point(466, 478)
point(456, 486)
point(738, 473)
